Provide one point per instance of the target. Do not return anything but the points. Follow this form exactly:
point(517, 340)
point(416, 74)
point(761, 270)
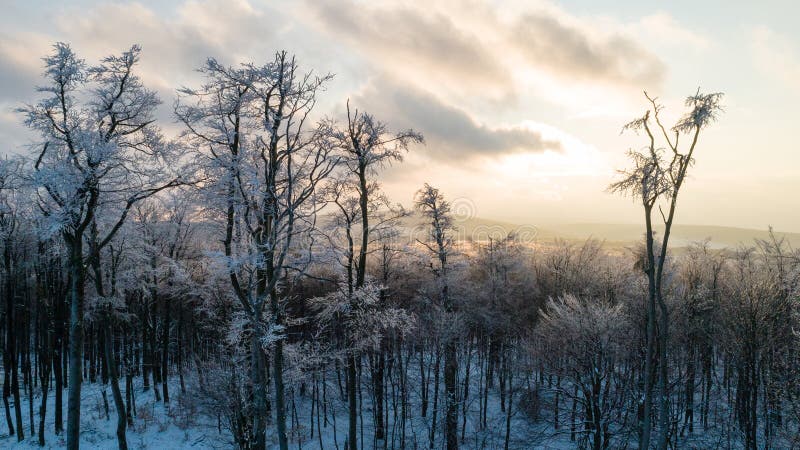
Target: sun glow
point(575, 158)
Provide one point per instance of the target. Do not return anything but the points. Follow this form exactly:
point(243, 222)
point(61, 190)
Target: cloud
point(458, 70)
point(774, 55)
point(15, 136)
point(551, 42)
point(416, 42)
point(173, 44)
point(452, 134)
point(20, 64)
point(15, 83)
point(475, 54)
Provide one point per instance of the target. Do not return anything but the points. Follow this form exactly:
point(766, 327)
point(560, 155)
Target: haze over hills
point(479, 228)
point(682, 235)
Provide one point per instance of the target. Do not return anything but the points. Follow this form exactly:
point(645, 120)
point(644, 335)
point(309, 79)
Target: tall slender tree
point(99, 149)
point(367, 146)
point(432, 205)
point(655, 177)
point(264, 164)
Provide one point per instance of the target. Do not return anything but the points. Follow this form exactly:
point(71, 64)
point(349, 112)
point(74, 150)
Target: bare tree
point(431, 203)
point(367, 146)
point(100, 149)
point(264, 167)
point(659, 175)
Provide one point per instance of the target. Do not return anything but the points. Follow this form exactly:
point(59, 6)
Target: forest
point(244, 282)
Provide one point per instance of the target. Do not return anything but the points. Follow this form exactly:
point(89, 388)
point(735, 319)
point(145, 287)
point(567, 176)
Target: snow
point(155, 426)
point(182, 425)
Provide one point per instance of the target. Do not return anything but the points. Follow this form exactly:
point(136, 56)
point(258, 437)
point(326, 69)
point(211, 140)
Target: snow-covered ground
point(159, 427)
point(183, 425)
point(154, 427)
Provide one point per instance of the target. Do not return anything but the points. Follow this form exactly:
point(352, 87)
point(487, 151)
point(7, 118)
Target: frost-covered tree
point(759, 295)
point(584, 339)
point(658, 175)
point(698, 316)
point(99, 151)
point(436, 210)
point(366, 146)
point(264, 164)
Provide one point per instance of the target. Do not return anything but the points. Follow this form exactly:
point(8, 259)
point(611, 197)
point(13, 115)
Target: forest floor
point(182, 426)
point(185, 424)
point(155, 426)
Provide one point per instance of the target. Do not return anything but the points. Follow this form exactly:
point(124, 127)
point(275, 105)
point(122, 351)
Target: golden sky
point(521, 102)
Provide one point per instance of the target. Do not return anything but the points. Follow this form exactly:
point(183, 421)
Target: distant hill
point(477, 228)
point(682, 235)
point(473, 228)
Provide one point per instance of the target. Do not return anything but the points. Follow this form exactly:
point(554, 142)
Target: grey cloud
point(567, 50)
point(14, 135)
point(410, 37)
point(403, 36)
point(175, 45)
point(16, 84)
point(450, 132)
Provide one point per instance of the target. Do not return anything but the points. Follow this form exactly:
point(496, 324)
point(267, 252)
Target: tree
point(655, 177)
point(106, 302)
point(367, 146)
point(595, 331)
point(433, 207)
point(758, 296)
point(100, 150)
point(699, 317)
point(248, 125)
point(11, 177)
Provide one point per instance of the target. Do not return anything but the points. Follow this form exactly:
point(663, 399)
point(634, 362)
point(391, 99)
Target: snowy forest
point(235, 277)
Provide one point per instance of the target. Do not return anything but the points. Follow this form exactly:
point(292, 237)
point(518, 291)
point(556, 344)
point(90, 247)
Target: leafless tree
point(264, 164)
point(657, 175)
point(436, 210)
point(100, 151)
point(366, 146)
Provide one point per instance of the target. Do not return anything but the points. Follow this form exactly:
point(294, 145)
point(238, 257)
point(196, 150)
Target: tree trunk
point(352, 427)
point(280, 407)
point(377, 380)
point(58, 373)
point(435, 401)
point(258, 379)
point(114, 378)
point(465, 397)
point(165, 353)
point(645, 421)
point(77, 278)
point(450, 372)
point(508, 410)
point(690, 385)
point(6, 394)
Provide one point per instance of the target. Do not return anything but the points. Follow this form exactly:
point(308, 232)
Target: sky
point(521, 102)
